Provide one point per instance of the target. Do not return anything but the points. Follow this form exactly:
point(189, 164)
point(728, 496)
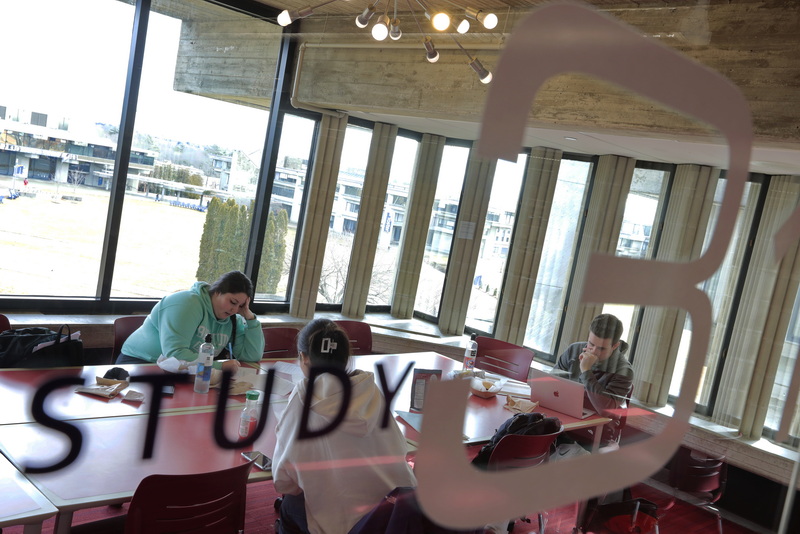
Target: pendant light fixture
point(386, 26)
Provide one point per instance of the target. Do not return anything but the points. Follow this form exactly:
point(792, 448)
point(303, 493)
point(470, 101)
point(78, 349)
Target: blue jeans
point(129, 359)
point(293, 515)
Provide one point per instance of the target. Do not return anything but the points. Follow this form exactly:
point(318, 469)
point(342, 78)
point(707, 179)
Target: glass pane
point(641, 209)
point(720, 290)
point(291, 175)
point(204, 154)
point(558, 254)
point(495, 242)
point(783, 377)
point(344, 216)
point(393, 221)
point(58, 140)
point(441, 228)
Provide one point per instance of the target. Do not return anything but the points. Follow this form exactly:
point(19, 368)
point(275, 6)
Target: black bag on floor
point(18, 348)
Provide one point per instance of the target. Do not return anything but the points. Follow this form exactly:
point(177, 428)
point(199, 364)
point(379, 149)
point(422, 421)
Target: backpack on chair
point(521, 423)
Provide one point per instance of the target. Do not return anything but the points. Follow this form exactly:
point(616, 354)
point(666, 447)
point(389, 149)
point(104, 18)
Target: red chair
point(280, 342)
point(212, 503)
point(700, 476)
point(503, 358)
point(5, 324)
point(124, 327)
point(360, 335)
point(520, 451)
point(611, 438)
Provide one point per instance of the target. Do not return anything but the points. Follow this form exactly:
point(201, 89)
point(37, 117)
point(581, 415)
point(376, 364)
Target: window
point(70, 163)
point(181, 188)
point(440, 230)
point(639, 217)
point(783, 378)
point(720, 289)
point(384, 268)
point(352, 168)
point(558, 254)
point(38, 119)
point(58, 233)
point(277, 254)
point(282, 191)
point(491, 266)
point(7, 161)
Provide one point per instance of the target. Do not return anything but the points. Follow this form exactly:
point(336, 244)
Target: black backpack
point(16, 348)
point(521, 423)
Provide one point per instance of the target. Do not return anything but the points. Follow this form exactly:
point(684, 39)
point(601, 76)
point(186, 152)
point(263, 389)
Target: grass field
point(50, 246)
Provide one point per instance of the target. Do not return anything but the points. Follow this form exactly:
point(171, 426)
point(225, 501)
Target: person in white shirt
point(330, 481)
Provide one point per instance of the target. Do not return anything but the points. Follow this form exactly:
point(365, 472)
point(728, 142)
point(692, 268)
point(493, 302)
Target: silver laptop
point(559, 394)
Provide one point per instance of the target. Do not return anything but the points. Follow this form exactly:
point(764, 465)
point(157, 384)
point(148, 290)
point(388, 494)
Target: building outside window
point(384, 268)
point(440, 230)
point(558, 255)
point(642, 207)
point(489, 271)
point(339, 244)
point(720, 289)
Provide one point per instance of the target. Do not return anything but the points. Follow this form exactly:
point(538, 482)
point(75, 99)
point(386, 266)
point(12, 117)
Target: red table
point(110, 466)
point(483, 416)
point(17, 387)
point(21, 503)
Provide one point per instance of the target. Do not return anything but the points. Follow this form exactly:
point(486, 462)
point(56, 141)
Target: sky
point(75, 64)
point(70, 59)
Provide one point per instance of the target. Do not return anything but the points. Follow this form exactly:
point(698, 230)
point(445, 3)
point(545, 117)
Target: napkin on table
point(517, 405)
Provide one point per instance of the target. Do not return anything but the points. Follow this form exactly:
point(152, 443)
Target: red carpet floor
point(681, 519)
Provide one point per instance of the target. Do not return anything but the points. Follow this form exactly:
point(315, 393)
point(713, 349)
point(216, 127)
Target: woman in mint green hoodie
point(178, 324)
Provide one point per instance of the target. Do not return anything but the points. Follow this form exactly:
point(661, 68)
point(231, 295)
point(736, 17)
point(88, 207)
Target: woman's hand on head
point(244, 310)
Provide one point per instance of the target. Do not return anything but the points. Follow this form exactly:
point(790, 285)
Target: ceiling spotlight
point(363, 19)
point(286, 17)
point(394, 30)
point(440, 21)
point(489, 20)
point(484, 75)
point(380, 30)
point(463, 26)
point(431, 54)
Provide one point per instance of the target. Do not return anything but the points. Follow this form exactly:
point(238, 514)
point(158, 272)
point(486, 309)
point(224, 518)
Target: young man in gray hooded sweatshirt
point(601, 366)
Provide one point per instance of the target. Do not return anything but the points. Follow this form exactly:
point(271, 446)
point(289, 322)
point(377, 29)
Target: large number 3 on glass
point(560, 38)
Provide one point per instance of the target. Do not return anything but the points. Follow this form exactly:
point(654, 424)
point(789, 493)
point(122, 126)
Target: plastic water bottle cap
point(252, 394)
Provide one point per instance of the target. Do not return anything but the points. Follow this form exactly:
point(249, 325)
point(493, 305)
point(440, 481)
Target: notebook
point(559, 394)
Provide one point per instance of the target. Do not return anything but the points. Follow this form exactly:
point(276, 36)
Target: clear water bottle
point(249, 418)
point(205, 363)
point(471, 353)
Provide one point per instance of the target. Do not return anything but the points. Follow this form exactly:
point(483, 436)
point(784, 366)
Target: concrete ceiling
point(768, 157)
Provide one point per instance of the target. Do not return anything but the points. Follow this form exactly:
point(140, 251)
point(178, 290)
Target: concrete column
point(691, 198)
point(609, 190)
point(530, 228)
point(322, 188)
point(415, 230)
point(466, 244)
point(370, 215)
